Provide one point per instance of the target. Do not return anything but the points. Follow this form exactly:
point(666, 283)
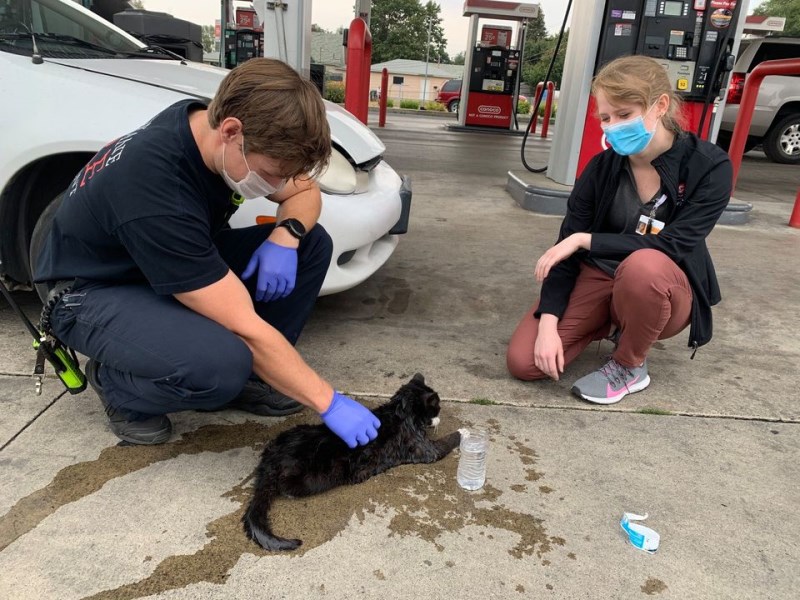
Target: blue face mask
point(628, 137)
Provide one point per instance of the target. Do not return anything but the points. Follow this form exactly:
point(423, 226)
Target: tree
point(400, 30)
point(137, 4)
point(317, 28)
point(459, 58)
point(538, 52)
point(208, 38)
point(790, 9)
point(438, 43)
point(537, 59)
point(536, 29)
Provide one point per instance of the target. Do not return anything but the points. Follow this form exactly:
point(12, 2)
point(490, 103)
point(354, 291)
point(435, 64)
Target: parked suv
point(776, 117)
point(449, 94)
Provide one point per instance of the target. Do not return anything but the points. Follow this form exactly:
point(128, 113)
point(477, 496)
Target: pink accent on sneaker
point(611, 393)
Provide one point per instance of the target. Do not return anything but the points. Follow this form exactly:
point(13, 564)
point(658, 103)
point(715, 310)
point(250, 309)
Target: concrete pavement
point(709, 450)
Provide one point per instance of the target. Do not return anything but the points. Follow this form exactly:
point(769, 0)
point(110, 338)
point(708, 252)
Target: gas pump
point(690, 38)
point(491, 67)
point(245, 40)
point(693, 39)
point(492, 84)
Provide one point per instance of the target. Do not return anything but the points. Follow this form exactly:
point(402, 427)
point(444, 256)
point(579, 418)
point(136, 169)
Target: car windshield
point(452, 85)
point(60, 30)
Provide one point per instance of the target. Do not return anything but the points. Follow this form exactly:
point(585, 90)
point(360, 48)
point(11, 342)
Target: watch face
point(295, 227)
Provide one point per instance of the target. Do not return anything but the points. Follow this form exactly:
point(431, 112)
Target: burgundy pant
point(648, 299)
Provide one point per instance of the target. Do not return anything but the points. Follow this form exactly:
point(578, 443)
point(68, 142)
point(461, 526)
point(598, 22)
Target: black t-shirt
point(145, 208)
point(624, 214)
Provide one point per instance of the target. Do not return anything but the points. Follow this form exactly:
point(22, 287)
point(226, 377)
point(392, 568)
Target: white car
point(71, 81)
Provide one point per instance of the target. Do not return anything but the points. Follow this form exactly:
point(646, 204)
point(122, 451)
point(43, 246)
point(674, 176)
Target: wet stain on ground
point(420, 501)
point(399, 303)
point(653, 586)
point(528, 458)
point(80, 480)
point(395, 294)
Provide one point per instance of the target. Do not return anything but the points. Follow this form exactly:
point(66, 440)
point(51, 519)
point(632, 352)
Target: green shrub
point(552, 110)
point(409, 104)
point(334, 92)
point(433, 105)
point(389, 103)
point(523, 107)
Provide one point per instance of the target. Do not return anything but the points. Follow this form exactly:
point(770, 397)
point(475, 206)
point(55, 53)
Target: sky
point(332, 14)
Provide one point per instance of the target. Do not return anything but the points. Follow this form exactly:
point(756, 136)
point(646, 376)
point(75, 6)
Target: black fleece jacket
point(697, 178)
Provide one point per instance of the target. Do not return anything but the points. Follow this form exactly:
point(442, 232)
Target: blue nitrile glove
point(277, 271)
point(352, 422)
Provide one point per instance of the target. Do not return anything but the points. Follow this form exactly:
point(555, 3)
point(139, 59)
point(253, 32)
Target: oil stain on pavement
point(423, 501)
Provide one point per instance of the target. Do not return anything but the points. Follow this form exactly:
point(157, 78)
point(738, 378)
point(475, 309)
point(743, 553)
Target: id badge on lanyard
point(648, 223)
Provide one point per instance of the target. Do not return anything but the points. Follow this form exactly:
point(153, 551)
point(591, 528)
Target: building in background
point(407, 78)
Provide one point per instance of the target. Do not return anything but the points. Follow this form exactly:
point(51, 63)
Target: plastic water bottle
point(471, 473)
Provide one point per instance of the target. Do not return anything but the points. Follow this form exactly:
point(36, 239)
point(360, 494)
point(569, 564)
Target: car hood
point(201, 81)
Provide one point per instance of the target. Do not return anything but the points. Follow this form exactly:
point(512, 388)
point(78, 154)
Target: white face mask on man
point(252, 185)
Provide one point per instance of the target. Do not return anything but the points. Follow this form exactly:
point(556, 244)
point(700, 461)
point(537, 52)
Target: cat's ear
point(418, 378)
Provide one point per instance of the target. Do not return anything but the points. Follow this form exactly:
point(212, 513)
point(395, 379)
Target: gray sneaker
point(611, 383)
point(128, 425)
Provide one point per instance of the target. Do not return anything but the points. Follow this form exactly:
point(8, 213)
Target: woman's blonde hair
point(639, 80)
point(282, 114)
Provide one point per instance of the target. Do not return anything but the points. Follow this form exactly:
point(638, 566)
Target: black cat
point(309, 459)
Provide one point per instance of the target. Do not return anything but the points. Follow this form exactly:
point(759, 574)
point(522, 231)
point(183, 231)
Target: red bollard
point(359, 57)
point(383, 99)
point(548, 107)
point(535, 115)
point(794, 220)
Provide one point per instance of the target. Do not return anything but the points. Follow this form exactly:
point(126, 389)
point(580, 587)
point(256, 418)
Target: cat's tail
point(256, 517)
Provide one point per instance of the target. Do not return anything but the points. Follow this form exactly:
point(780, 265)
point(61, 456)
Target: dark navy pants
point(158, 356)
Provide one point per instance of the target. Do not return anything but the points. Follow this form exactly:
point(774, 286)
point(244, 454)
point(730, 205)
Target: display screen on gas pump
point(673, 9)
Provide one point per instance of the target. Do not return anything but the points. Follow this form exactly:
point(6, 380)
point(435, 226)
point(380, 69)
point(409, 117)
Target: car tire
point(43, 226)
point(453, 106)
point(782, 142)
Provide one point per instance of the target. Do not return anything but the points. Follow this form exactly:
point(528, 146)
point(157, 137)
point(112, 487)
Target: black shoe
point(262, 399)
point(128, 425)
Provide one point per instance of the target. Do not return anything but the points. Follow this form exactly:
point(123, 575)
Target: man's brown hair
point(639, 80)
point(282, 114)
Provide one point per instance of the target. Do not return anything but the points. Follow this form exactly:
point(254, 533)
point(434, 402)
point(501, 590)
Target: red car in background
point(450, 93)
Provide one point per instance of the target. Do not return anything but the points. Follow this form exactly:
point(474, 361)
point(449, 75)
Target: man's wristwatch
point(294, 227)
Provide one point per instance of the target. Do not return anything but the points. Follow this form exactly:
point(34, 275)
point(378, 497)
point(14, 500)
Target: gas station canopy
point(510, 11)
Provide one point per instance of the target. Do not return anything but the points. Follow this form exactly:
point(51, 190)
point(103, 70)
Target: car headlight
point(339, 177)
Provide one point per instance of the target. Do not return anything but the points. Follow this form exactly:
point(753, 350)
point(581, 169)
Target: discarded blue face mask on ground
point(640, 536)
